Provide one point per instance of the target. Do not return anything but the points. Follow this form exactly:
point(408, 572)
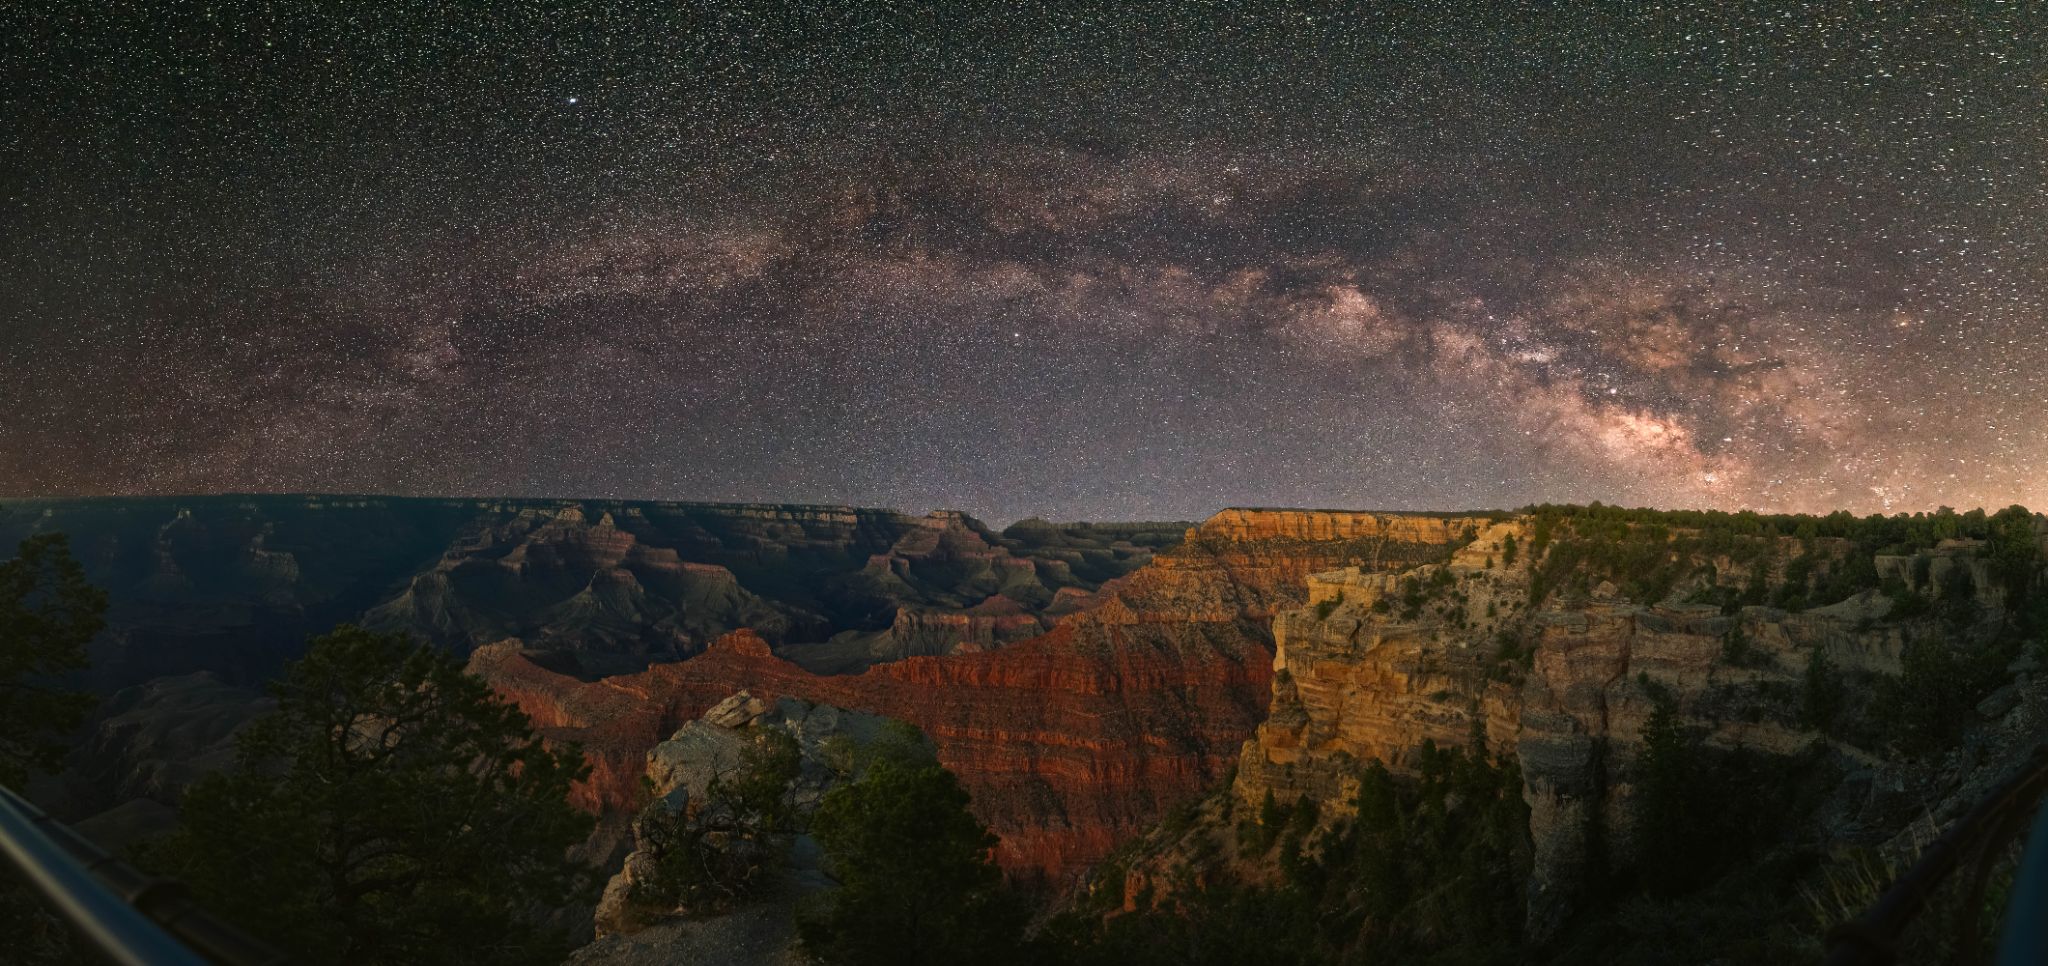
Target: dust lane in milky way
point(1142, 260)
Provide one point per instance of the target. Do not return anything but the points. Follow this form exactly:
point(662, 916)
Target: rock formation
point(1374, 664)
point(211, 596)
point(681, 771)
point(1244, 524)
point(1069, 742)
point(589, 588)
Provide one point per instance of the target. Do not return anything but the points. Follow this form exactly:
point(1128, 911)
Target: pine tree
point(916, 883)
point(48, 613)
point(392, 810)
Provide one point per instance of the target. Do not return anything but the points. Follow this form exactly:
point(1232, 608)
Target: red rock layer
point(1066, 748)
point(1069, 742)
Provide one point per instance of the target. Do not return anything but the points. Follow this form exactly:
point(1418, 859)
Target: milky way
point(1136, 261)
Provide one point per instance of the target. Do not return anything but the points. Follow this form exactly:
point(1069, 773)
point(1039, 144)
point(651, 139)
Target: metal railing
point(131, 918)
point(1979, 837)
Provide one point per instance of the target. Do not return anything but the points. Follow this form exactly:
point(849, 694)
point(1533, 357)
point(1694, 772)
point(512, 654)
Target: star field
point(1079, 261)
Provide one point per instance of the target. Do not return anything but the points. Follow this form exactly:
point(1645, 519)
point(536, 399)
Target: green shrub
point(1432, 869)
point(1736, 650)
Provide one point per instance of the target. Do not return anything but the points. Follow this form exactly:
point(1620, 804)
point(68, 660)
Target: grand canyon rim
point(699, 401)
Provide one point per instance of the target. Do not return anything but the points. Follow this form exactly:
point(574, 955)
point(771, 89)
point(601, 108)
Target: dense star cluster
point(1127, 260)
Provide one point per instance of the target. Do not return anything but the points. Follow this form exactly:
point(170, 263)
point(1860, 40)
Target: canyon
point(1116, 698)
point(232, 585)
point(1080, 678)
point(1070, 741)
point(209, 597)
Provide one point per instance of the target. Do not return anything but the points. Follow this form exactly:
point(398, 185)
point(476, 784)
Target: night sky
point(1134, 261)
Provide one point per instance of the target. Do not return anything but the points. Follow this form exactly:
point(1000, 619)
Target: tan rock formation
point(1567, 689)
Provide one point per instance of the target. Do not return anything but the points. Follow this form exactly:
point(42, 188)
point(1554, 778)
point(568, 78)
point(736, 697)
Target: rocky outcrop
point(681, 772)
point(1357, 679)
point(1067, 742)
point(233, 585)
point(916, 632)
point(953, 586)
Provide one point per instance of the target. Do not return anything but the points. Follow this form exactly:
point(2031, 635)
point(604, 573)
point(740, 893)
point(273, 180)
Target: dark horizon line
point(476, 498)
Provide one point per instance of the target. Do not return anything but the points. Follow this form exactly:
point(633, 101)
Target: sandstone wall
point(1563, 690)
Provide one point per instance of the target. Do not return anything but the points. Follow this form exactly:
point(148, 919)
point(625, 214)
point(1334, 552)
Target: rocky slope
point(145, 745)
point(592, 591)
point(1069, 741)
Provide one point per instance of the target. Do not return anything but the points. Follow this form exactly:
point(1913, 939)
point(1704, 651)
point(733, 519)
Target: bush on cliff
point(392, 810)
point(713, 854)
point(1823, 694)
point(916, 885)
point(1824, 560)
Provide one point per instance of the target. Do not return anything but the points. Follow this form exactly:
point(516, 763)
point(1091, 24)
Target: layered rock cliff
point(1553, 650)
point(1069, 741)
point(211, 596)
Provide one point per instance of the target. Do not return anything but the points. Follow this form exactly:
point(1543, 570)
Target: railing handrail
point(1872, 937)
point(133, 919)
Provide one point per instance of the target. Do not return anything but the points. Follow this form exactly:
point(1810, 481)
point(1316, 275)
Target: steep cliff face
point(1544, 663)
point(1361, 675)
point(1069, 742)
